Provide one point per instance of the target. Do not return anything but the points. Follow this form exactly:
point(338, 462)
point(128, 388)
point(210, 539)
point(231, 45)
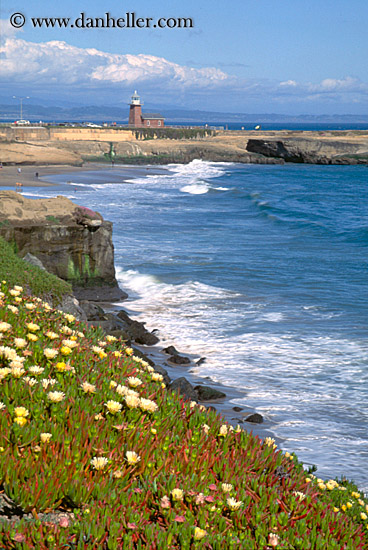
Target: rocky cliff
point(310, 151)
point(71, 241)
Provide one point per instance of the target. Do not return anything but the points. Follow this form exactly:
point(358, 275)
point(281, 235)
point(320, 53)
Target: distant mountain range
point(100, 113)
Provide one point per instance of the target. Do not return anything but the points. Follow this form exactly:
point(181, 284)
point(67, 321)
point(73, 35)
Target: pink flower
point(199, 499)
point(64, 521)
point(212, 487)
point(132, 526)
point(18, 537)
point(165, 502)
point(209, 499)
point(179, 519)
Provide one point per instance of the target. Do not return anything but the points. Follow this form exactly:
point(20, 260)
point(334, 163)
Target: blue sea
point(263, 270)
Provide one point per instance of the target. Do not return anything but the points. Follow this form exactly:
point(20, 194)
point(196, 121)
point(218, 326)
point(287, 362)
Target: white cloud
point(59, 62)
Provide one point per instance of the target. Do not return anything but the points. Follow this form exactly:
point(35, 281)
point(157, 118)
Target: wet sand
point(9, 175)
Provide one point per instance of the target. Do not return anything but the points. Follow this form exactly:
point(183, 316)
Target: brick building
point(137, 119)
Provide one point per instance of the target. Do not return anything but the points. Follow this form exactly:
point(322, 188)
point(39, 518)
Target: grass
point(96, 453)
point(16, 271)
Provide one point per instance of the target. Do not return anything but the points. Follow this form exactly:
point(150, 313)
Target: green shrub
point(16, 271)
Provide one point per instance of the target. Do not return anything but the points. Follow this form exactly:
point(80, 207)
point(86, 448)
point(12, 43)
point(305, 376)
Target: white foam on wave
point(191, 178)
point(195, 189)
point(300, 383)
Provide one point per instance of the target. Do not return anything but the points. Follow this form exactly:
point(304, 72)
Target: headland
point(78, 145)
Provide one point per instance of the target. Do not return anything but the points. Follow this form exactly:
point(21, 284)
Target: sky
point(249, 56)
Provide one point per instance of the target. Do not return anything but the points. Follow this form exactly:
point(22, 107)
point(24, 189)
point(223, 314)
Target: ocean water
point(263, 271)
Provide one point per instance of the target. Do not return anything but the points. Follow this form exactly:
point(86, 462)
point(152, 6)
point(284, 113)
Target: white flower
point(48, 382)
point(30, 381)
point(132, 457)
point(36, 369)
point(122, 390)
point(21, 411)
point(70, 343)
point(45, 437)
point(148, 405)
point(4, 327)
point(50, 353)
point(233, 504)
point(99, 462)
point(113, 406)
point(156, 377)
point(206, 428)
point(134, 382)
point(226, 487)
point(88, 388)
point(20, 343)
point(132, 401)
point(270, 442)
point(223, 430)
point(56, 396)
point(2, 406)
point(52, 335)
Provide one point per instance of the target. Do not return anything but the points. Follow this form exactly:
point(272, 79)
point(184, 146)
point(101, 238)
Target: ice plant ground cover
point(96, 453)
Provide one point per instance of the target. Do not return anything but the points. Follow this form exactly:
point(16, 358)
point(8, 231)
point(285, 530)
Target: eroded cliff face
point(310, 151)
point(72, 242)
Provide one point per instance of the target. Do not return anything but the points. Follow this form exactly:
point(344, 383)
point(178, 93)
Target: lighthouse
point(135, 112)
point(139, 120)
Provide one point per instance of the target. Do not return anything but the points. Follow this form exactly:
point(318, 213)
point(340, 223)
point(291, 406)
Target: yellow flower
point(32, 327)
point(226, 487)
point(177, 494)
point(129, 351)
point(56, 396)
point(51, 335)
point(156, 377)
point(199, 533)
point(343, 508)
point(99, 462)
point(110, 338)
point(336, 509)
point(330, 485)
point(113, 384)
point(322, 486)
point(113, 406)
point(32, 337)
point(270, 442)
point(117, 354)
point(61, 367)
point(50, 353)
point(153, 430)
point(355, 494)
point(66, 330)
point(349, 505)
point(308, 479)
point(233, 504)
point(30, 307)
point(21, 411)
point(69, 318)
point(132, 457)
point(96, 349)
point(363, 516)
point(45, 437)
point(20, 420)
point(18, 300)
point(65, 350)
point(88, 388)
point(102, 355)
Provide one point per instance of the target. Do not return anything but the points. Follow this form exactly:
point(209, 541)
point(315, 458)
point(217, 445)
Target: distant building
point(137, 119)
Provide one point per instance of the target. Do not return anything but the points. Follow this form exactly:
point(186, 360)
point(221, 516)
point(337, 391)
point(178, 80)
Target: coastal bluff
point(70, 241)
point(34, 145)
